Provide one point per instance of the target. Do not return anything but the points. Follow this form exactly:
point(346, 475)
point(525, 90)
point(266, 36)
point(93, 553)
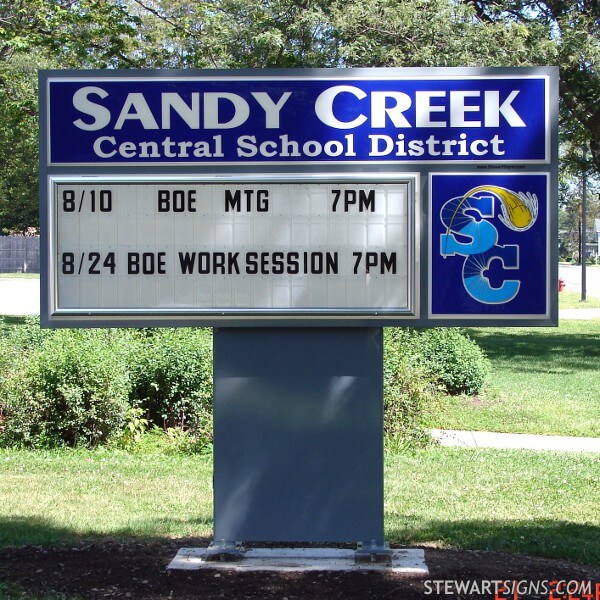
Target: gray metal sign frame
point(419, 171)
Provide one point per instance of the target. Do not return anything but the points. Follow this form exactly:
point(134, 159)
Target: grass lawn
point(544, 380)
point(515, 501)
point(61, 496)
point(573, 300)
point(19, 275)
point(539, 503)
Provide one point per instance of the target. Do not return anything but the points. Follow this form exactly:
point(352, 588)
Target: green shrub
point(85, 387)
point(72, 389)
point(447, 356)
point(172, 441)
point(171, 379)
point(7, 358)
point(409, 397)
point(453, 360)
point(418, 366)
point(29, 335)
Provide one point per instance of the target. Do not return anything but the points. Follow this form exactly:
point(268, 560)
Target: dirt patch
point(477, 402)
point(138, 570)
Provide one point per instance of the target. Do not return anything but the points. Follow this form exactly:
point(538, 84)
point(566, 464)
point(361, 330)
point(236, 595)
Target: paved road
point(571, 275)
point(19, 296)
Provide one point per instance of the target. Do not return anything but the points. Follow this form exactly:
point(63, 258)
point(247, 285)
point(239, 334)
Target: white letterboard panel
point(251, 247)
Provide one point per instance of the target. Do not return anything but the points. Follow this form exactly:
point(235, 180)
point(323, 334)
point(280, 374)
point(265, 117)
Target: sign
point(299, 119)
point(245, 247)
point(336, 197)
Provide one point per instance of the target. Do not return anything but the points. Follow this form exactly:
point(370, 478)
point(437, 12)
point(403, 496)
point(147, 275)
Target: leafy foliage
point(453, 359)
point(70, 390)
point(18, 144)
point(234, 34)
point(77, 34)
point(572, 40)
point(448, 357)
point(88, 387)
point(38, 34)
point(427, 33)
point(571, 212)
point(171, 378)
point(419, 367)
point(408, 396)
point(286, 33)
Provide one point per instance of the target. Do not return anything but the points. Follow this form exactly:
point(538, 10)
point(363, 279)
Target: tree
point(133, 33)
point(427, 33)
point(45, 34)
point(75, 33)
point(294, 33)
point(18, 144)
point(234, 33)
point(570, 216)
point(570, 212)
point(573, 28)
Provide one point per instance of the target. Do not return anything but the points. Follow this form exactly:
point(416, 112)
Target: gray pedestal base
point(298, 448)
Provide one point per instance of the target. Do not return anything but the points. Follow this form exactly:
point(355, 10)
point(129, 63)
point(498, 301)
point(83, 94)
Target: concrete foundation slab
point(409, 561)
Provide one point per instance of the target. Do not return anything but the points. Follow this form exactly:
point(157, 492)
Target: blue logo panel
point(488, 245)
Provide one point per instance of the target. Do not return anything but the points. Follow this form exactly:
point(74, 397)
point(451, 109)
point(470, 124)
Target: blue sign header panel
point(299, 119)
point(489, 253)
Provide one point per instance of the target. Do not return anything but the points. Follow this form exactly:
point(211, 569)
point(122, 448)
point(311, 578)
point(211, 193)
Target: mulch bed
point(137, 570)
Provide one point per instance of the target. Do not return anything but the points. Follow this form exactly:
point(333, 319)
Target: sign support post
point(298, 444)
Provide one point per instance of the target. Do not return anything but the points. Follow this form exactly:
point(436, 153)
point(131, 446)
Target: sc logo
point(470, 233)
